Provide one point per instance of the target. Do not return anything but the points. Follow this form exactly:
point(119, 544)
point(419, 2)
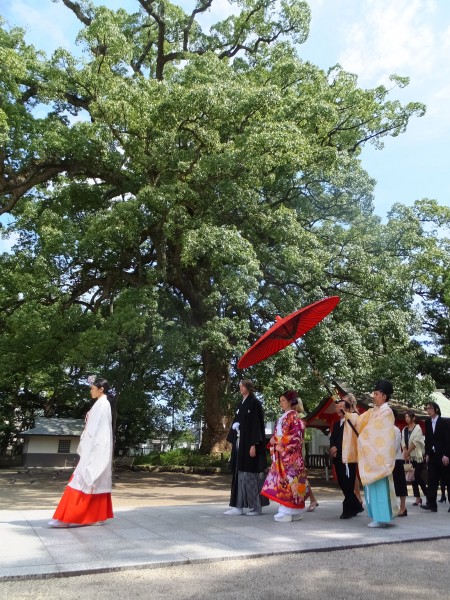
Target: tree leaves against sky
point(172, 190)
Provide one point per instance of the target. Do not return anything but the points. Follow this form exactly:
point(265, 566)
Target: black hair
point(248, 384)
point(436, 407)
point(385, 387)
point(346, 403)
point(411, 414)
point(101, 383)
point(291, 396)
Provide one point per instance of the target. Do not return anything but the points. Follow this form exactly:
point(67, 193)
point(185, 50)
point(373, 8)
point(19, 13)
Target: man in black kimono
point(248, 455)
point(345, 473)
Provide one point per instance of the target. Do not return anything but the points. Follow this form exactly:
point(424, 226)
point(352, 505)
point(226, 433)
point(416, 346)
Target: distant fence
point(318, 461)
point(7, 460)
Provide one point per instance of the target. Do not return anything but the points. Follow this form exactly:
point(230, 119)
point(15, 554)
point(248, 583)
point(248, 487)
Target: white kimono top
point(93, 474)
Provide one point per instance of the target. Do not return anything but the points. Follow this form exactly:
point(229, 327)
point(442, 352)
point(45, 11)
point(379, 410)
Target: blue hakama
point(378, 500)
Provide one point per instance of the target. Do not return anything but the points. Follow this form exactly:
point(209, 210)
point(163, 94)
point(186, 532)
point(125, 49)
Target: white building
point(52, 442)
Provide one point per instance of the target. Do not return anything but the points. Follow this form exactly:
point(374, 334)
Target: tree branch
point(136, 65)
point(76, 9)
point(29, 93)
point(160, 62)
point(187, 29)
point(14, 188)
point(250, 49)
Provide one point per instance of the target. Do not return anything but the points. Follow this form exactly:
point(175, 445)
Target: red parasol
point(286, 330)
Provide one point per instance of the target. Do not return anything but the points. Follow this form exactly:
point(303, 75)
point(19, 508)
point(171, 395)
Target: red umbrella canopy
point(286, 330)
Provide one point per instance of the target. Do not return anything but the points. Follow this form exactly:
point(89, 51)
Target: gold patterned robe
point(374, 449)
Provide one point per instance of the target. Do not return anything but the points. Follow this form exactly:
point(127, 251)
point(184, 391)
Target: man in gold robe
point(372, 443)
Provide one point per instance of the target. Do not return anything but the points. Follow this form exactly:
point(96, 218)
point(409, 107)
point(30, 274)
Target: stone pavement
point(176, 535)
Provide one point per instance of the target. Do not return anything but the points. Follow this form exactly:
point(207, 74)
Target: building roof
point(59, 427)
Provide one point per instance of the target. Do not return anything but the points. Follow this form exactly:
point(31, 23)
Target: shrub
point(183, 457)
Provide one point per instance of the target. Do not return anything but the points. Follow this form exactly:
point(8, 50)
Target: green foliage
point(430, 262)
point(172, 191)
point(183, 457)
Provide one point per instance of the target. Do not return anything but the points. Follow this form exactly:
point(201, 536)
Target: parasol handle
point(324, 383)
point(316, 372)
point(353, 427)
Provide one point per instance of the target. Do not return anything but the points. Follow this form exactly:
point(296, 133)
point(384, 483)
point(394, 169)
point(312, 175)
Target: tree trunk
point(216, 378)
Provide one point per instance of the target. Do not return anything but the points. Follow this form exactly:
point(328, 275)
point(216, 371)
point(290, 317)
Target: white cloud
point(391, 37)
point(405, 37)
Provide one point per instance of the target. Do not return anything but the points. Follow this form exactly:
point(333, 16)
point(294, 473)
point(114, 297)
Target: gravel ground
point(394, 572)
point(409, 571)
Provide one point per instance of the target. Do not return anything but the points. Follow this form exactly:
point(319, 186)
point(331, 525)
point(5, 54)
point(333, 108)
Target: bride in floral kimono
point(286, 482)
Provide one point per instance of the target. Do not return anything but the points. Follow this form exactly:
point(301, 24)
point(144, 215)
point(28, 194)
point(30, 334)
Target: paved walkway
point(176, 535)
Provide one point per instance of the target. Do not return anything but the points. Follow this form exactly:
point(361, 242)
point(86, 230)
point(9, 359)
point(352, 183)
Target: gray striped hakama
point(249, 486)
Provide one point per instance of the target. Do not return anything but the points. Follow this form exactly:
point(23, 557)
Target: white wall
point(319, 442)
point(47, 444)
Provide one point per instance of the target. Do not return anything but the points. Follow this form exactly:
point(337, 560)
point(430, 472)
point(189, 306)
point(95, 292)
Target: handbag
point(410, 476)
point(410, 472)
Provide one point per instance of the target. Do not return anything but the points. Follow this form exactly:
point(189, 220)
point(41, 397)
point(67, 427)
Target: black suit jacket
point(439, 439)
point(337, 434)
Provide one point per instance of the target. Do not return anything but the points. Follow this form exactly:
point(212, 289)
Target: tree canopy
point(171, 191)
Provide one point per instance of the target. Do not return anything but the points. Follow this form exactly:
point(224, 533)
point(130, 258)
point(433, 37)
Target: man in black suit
point(437, 452)
point(345, 473)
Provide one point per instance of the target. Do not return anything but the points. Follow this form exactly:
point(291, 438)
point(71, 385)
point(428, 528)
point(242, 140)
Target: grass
point(183, 457)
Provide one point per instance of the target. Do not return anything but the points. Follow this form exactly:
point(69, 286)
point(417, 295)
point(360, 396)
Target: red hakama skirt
point(83, 509)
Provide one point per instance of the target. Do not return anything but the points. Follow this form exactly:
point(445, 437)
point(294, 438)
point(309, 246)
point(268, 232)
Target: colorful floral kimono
point(87, 497)
point(375, 450)
point(286, 482)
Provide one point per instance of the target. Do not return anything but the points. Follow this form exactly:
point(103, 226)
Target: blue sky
point(375, 38)
point(371, 38)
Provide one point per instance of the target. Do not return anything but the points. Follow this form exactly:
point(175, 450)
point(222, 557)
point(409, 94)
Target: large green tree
point(173, 189)
point(430, 264)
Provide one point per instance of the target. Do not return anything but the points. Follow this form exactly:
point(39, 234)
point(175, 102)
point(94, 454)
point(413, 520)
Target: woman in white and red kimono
point(286, 482)
point(87, 497)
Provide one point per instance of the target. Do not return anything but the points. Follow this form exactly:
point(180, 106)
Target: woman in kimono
point(286, 482)
point(87, 497)
point(373, 445)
